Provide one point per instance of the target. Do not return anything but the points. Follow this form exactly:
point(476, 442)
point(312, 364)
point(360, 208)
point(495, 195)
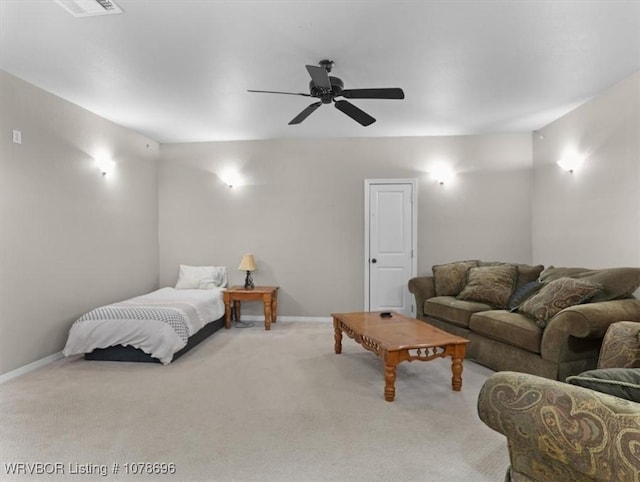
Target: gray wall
point(70, 239)
point(301, 211)
point(591, 217)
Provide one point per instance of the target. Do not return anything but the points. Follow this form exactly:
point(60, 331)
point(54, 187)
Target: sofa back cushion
point(449, 279)
point(617, 283)
point(490, 284)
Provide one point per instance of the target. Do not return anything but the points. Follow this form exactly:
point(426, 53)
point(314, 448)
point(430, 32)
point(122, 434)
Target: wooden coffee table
point(397, 339)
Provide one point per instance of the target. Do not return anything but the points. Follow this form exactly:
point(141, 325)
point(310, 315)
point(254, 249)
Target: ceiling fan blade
point(355, 113)
point(320, 76)
point(393, 93)
point(277, 92)
point(305, 113)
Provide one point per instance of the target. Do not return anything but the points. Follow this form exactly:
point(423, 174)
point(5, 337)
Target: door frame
point(414, 231)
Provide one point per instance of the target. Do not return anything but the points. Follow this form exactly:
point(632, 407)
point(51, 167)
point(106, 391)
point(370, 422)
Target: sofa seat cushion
point(455, 311)
point(512, 329)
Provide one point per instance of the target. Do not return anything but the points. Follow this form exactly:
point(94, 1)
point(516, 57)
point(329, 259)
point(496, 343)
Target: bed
point(156, 327)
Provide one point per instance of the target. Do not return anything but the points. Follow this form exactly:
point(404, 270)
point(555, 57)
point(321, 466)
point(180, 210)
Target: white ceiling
point(178, 71)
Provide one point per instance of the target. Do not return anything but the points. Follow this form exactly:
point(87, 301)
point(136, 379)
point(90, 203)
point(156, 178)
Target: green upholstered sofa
point(561, 432)
point(504, 340)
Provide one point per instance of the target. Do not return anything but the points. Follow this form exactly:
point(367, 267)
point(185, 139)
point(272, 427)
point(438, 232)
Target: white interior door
point(390, 239)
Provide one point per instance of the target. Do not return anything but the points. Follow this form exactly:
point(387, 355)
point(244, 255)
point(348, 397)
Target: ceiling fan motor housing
point(327, 96)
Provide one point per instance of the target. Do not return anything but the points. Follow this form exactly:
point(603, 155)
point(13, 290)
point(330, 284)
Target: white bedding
point(189, 310)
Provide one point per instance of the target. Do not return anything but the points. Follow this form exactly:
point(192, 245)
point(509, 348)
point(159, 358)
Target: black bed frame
point(131, 354)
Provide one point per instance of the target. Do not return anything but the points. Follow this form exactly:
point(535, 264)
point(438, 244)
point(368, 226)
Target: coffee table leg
point(389, 382)
point(337, 336)
point(456, 367)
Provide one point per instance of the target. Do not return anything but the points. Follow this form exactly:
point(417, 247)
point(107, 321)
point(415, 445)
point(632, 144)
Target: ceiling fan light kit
point(326, 88)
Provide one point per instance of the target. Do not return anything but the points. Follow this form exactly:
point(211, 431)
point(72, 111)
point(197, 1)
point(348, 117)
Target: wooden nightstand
point(268, 295)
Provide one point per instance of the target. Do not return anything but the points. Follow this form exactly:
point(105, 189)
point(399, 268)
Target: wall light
point(442, 174)
point(231, 178)
point(105, 164)
point(571, 161)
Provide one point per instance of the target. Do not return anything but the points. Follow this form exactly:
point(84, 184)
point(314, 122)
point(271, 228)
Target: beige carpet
point(251, 405)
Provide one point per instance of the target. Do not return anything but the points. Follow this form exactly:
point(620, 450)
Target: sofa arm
point(589, 320)
point(422, 288)
point(557, 431)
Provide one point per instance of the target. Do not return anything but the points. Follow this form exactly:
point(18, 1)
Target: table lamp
point(248, 264)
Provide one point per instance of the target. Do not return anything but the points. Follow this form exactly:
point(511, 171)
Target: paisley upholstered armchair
point(562, 432)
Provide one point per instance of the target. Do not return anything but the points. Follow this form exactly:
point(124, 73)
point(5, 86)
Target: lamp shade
point(248, 263)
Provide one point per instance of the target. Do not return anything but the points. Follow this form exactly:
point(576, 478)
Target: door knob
point(374, 260)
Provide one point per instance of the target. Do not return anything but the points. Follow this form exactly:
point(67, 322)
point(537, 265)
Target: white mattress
point(195, 307)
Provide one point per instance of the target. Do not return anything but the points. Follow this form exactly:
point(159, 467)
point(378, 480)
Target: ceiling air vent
point(89, 8)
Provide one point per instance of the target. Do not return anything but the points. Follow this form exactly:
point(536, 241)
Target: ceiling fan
point(326, 88)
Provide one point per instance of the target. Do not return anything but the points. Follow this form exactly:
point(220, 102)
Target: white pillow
point(201, 277)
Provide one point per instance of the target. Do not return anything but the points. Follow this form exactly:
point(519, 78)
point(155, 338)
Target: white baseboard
point(288, 318)
point(5, 377)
